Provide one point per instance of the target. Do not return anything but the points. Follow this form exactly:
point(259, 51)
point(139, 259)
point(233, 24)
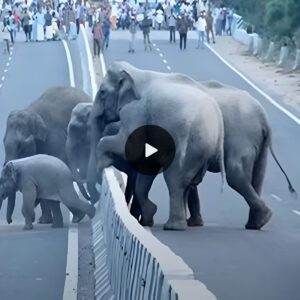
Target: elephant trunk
point(1, 201)
point(10, 206)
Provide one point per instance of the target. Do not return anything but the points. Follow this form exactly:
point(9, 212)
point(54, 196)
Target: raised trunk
point(10, 207)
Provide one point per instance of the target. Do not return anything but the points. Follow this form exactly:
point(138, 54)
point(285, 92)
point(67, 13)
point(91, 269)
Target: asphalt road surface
point(232, 262)
point(32, 263)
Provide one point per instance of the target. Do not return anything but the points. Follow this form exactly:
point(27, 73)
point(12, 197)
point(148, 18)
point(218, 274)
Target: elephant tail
point(222, 170)
point(291, 188)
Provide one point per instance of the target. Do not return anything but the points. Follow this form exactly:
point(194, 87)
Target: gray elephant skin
point(43, 177)
point(41, 128)
point(78, 140)
point(193, 119)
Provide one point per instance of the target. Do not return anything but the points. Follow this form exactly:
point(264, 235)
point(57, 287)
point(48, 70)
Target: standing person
point(34, 26)
point(132, 31)
point(17, 22)
point(114, 15)
point(11, 26)
point(209, 27)
point(25, 25)
point(40, 23)
point(182, 26)
point(48, 25)
point(83, 13)
point(90, 14)
point(97, 38)
point(106, 32)
point(78, 9)
point(172, 26)
point(201, 27)
point(6, 35)
point(145, 26)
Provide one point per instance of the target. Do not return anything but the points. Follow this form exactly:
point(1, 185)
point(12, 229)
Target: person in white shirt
point(201, 27)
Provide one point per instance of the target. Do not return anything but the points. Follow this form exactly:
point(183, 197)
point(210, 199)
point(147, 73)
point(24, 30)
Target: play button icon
point(150, 149)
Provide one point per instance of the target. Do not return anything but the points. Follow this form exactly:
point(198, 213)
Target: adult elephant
point(248, 137)
point(41, 128)
point(193, 119)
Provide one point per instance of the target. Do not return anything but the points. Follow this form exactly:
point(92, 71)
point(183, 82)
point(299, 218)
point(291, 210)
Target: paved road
point(232, 262)
point(32, 264)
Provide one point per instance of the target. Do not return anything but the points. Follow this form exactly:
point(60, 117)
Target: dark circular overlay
point(156, 137)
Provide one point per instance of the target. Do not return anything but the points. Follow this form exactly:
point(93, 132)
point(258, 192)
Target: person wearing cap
point(132, 30)
point(201, 27)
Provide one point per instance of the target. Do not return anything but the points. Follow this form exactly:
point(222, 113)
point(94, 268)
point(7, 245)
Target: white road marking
point(168, 67)
point(5, 70)
point(154, 45)
point(271, 100)
point(3, 77)
point(71, 278)
point(11, 53)
point(70, 64)
point(161, 55)
point(103, 66)
point(276, 197)
point(90, 61)
point(297, 212)
point(9, 58)
point(7, 64)
point(164, 61)
point(157, 49)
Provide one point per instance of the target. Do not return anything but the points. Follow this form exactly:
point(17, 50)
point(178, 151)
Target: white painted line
point(90, 61)
point(71, 277)
point(157, 49)
point(161, 55)
point(7, 64)
point(164, 61)
point(70, 289)
point(154, 45)
point(297, 212)
point(9, 58)
point(1, 85)
point(5, 70)
point(70, 64)
point(272, 101)
point(276, 197)
point(103, 66)
point(2, 78)
point(168, 67)
point(11, 53)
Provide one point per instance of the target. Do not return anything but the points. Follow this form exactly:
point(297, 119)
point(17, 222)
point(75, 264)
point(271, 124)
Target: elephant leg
point(107, 147)
point(259, 169)
point(46, 217)
point(54, 206)
point(194, 207)
point(147, 208)
point(75, 204)
point(29, 198)
point(239, 176)
point(130, 186)
point(177, 195)
point(135, 209)
point(10, 206)
point(93, 192)
point(78, 215)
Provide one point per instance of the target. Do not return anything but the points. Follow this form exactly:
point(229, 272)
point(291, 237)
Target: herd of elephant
point(63, 137)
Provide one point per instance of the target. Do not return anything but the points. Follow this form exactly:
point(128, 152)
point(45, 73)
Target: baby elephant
point(42, 177)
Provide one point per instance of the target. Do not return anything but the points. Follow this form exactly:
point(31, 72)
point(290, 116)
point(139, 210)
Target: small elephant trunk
point(10, 206)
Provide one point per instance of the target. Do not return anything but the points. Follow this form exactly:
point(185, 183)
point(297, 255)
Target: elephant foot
point(258, 218)
point(149, 210)
point(78, 217)
point(28, 227)
point(196, 221)
point(33, 218)
point(175, 225)
point(92, 212)
point(57, 225)
point(45, 220)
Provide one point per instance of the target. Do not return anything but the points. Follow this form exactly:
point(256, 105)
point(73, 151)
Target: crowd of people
point(53, 20)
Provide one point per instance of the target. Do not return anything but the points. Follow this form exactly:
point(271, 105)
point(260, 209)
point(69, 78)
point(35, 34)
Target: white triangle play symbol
point(149, 150)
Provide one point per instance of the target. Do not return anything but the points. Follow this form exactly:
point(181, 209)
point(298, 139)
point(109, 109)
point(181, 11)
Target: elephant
point(190, 116)
point(78, 140)
point(41, 128)
point(245, 152)
point(43, 177)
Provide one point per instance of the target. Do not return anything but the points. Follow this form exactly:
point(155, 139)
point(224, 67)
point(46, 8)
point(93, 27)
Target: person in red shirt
point(97, 38)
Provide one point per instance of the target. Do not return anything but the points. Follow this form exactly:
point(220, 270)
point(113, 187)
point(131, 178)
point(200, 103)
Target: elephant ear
point(127, 90)
point(39, 129)
point(9, 171)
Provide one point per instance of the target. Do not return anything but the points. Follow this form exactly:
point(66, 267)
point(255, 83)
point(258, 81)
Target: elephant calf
point(43, 177)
